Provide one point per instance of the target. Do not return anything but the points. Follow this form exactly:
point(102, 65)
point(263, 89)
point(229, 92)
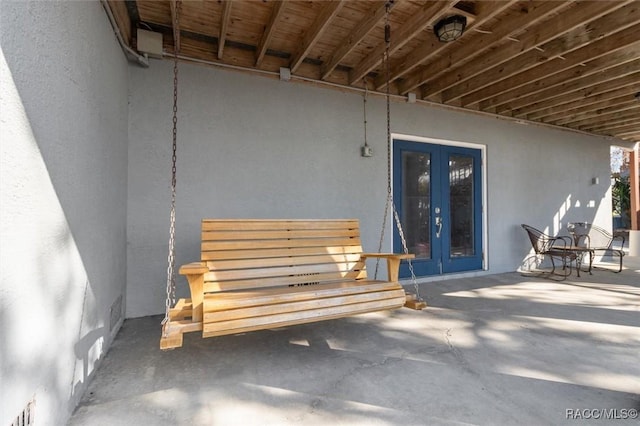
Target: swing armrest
point(195, 277)
point(393, 262)
point(388, 255)
point(194, 268)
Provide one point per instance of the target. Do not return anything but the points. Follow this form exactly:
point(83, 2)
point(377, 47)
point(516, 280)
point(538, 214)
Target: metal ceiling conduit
point(142, 60)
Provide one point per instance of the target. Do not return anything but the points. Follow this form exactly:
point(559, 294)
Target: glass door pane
point(416, 202)
point(461, 207)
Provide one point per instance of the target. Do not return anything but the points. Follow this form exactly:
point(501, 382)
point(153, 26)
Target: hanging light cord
point(364, 107)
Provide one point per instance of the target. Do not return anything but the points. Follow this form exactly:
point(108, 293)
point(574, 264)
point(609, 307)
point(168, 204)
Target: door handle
point(438, 226)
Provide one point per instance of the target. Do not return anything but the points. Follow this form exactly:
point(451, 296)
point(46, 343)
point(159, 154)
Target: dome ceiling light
point(450, 28)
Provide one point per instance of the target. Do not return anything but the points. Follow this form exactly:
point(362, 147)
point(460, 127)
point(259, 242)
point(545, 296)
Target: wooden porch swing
point(264, 274)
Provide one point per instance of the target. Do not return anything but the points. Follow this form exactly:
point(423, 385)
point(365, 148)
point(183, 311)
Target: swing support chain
point(415, 301)
point(171, 260)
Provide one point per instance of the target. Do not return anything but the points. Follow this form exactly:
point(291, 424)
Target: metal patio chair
point(556, 248)
point(599, 240)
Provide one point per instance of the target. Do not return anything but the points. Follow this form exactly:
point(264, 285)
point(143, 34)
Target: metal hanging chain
point(387, 40)
point(387, 62)
point(171, 260)
point(384, 226)
point(387, 65)
point(414, 281)
point(389, 193)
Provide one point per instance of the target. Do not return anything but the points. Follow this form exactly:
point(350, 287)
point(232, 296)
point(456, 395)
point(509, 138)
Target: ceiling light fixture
point(450, 28)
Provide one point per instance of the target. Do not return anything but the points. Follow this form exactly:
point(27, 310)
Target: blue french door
point(438, 194)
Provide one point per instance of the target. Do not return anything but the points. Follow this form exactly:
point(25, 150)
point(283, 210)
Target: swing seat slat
point(264, 274)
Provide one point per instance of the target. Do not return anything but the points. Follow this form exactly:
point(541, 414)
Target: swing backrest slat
point(244, 254)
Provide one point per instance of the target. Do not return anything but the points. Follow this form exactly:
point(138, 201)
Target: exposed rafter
point(176, 31)
point(528, 15)
point(531, 39)
point(566, 107)
point(267, 35)
point(619, 108)
point(532, 70)
point(568, 40)
point(573, 63)
point(364, 27)
point(487, 10)
point(428, 13)
point(568, 96)
point(224, 23)
point(330, 10)
point(595, 75)
point(605, 118)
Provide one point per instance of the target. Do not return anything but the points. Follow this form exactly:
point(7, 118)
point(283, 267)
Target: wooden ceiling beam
point(604, 122)
point(267, 35)
point(123, 18)
point(359, 32)
point(629, 126)
point(176, 30)
point(529, 14)
point(619, 108)
point(559, 47)
point(320, 24)
point(513, 98)
point(621, 134)
point(430, 12)
point(614, 84)
point(586, 107)
point(618, 104)
point(609, 124)
point(616, 133)
point(625, 69)
point(604, 117)
point(637, 132)
point(224, 24)
point(565, 107)
point(486, 10)
point(632, 136)
point(577, 57)
point(515, 101)
point(531, 39)
point(571, 64)
point(591, 80)
point(627, 132)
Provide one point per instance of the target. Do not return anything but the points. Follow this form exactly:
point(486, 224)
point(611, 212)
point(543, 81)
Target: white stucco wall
point(63, 176)
point(84, 200)
point(256, 147)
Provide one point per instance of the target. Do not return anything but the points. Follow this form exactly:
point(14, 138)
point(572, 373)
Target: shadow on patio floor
point(498, 349)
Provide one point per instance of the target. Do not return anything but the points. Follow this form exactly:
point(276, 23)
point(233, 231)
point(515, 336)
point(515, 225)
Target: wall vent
point(27, 416)
point(116, 313)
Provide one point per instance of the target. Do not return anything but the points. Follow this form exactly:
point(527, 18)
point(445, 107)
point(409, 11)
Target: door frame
point(483, 164)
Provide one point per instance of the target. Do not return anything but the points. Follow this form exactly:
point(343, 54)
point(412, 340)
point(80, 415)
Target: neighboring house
point(85, 174)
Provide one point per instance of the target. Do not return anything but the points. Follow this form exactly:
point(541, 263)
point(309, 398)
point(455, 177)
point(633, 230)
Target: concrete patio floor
point(492, 350)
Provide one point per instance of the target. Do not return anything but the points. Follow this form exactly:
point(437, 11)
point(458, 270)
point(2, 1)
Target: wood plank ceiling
point(574, 64)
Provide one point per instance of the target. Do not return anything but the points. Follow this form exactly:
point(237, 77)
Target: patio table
point(578, 230)
point(579, 252)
